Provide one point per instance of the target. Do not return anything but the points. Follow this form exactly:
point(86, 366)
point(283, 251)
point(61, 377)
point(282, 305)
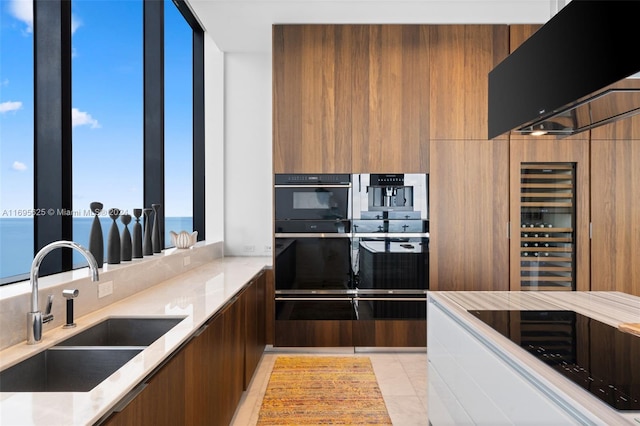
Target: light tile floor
point(401, 375)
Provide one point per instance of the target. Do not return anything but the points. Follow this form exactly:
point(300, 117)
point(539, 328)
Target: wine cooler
point(547, 226)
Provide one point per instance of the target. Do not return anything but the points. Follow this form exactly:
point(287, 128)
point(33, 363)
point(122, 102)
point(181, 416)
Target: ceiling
point(245, 25)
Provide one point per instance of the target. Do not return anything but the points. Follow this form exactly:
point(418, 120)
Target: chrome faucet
point(35, 318)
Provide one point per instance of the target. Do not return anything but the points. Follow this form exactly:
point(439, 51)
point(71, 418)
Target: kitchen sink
point(123, 332)
point(81, 362)
point(61, 369)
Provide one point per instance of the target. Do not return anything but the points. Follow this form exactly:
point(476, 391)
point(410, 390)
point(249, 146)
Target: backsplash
point(127, 278)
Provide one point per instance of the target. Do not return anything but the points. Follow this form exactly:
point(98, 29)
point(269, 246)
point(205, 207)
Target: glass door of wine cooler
point(547, 226)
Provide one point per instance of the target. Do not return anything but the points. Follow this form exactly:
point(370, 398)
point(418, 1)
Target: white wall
point(214, 138)
point(247, 197)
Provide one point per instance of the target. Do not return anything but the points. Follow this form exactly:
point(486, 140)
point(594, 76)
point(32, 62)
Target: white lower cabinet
point(470, 384)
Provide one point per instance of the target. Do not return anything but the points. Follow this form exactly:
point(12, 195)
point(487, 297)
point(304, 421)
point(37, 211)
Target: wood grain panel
point(161, 403)
point(232, 365)
point(203, 358)
point(461, 57)
point(270, 293)
point(468, 246)
point(313, 333)
point(390, 333)
point(360, 87)
point(253, 300)
point(311, 108)
point(529, 149)
point(287, 96)
point(351, 98)
point(312, 123)
point(615, 212)
point(391, 100)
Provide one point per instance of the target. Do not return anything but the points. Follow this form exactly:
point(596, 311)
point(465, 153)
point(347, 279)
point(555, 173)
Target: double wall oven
point(313, 279)
point(350, 250)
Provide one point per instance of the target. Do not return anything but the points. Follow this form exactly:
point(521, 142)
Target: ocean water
point(16, 239)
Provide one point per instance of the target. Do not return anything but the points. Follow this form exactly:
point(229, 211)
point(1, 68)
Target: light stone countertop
point(196, 295)
point(611, 308)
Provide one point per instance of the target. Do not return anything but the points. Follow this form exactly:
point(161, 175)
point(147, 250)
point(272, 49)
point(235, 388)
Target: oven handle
point(392, 299)
point(322, 299)
point(319, 185)
point(390, 235)
point(312, 235)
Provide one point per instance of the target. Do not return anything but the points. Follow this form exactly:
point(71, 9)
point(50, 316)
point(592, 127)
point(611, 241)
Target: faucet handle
point(49, 304)
point(48, 316)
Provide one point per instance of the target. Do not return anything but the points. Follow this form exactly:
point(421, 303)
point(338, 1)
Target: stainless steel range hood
point(575, 73)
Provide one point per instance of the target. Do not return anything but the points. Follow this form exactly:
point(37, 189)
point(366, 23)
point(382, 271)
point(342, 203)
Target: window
point(106, 116)
point(107, 112)
point(16, 134)
point(178, 127)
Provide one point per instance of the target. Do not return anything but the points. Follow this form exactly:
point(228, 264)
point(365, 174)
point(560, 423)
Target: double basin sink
point(81, 362)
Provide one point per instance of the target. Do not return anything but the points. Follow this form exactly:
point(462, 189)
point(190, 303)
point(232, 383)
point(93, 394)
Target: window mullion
point(52, 130)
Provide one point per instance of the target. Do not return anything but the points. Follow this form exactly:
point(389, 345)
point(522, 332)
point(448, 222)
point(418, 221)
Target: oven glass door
point(312, 262)
point(326, 202)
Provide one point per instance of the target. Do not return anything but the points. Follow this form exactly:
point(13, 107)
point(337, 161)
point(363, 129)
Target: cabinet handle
point(391, 299)
point(201, 330)
point(314, 299)
point(129, 397)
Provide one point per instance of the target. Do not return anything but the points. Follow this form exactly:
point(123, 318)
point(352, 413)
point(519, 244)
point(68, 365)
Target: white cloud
point(80, 118)
point(75, 23)
point(23, 11)
point(19, 166)
point(10, 106)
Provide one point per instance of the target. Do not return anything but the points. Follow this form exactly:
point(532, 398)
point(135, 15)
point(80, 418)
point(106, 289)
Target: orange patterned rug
point(323, 390)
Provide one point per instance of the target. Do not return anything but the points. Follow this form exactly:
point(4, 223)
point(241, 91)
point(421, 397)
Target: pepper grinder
point(70, 295)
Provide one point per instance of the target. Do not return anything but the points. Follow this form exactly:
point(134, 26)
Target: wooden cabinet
point(231, 365)
point(469, 179)
point(469, 213)
point(311, 99)
point(615, 207)
point(390, 99)
point(203, 382)
point(350, 99)
point(254, 298)
point(460, 59)
point(161, 401)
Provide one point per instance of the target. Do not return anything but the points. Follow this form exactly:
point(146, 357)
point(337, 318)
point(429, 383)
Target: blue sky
point(107, 106)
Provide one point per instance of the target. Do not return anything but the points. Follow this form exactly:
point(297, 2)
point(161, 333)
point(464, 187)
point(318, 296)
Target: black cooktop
point(592, 354)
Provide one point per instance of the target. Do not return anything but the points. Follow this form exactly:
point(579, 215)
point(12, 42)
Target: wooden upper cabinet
point(390, 99)
point(460, 59)
point(311, 99)
point(351, 98)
